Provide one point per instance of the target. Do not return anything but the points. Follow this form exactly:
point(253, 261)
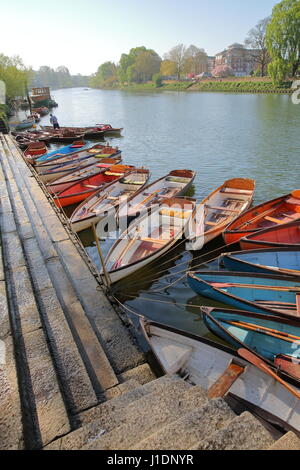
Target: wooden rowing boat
point(88, 132)
point(72, 177)
point(267, 336)
point(210, 364)
point(90, 184)
point(174, 184)
point(35, 150)
point(271, 261)
point(64, 169)
point(107, 200)
point(218, 209)
point(149, 237)
point(287, 235)
point(96, 152)
point(273, 213)
point(75, 147)
point(275, 295)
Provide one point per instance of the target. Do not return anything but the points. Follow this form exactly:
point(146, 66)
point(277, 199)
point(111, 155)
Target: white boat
point(219, 209)
point(107, 199)
point(174, 184)
point(205, 363)
point(149, 237)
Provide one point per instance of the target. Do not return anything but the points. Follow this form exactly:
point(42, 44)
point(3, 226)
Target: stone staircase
point(169, 414)
point(66, 348)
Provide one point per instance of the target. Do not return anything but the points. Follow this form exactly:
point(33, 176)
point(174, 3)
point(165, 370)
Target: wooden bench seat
point(220, 208)
point(236, 191)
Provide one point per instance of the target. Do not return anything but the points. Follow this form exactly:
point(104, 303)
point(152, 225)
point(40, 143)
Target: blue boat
point(75, 147)
point(272, 261)
point(273, 295)
point(275, 339)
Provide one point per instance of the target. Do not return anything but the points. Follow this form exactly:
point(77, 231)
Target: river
point(220, 135)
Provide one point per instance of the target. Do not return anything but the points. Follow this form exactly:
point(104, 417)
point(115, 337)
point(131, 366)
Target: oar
point(220, 285)
point(260, 216)
point(274, 333)
point(256, 361)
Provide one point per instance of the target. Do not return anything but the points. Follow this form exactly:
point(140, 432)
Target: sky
point(82, 34)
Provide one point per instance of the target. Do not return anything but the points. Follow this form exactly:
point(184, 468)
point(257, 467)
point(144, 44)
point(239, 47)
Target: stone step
point(244, 432)
point(290, 441)
point(116, 340)
point(113, 413)
point(189, 429)
point(143, 374)
point(44, 311)
point(58, 284)
point(142, 418)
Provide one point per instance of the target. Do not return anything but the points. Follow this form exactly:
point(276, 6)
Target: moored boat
point(60, 184)
point(260, 293)
point(25, 124)
point(287, 236)
point(74, 163)
point(270, 337)
point(277, 212)
point(218, 209)
point(149, 237)
point(271, 261)
point(207, 363)
point(35, 150)
point(106, 200)
point(174, 184)
point(107, 129)
point(87, 186)
point(75, 147)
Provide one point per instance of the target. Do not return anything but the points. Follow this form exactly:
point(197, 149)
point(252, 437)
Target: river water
point(221, 136)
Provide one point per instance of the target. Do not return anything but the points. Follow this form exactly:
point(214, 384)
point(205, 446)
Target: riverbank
point(233, 85)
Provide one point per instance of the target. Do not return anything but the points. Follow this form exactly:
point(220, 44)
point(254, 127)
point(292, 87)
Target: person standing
point(54, 121)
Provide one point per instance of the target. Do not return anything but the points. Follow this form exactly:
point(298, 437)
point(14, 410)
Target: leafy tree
point(157, 79)
point(168, 68)
point(15, 76)
point(256, 40)
point(283, 39)
point(146, 65)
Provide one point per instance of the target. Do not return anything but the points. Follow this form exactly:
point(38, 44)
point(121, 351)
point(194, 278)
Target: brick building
point(241, 60)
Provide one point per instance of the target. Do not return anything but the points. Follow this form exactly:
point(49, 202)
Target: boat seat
point(236, 191)
point(213, 224)
point(112, 198)
point(276, 221)
point(293, 200)
point(220, 208)
point(91, 186)
point(154, 240)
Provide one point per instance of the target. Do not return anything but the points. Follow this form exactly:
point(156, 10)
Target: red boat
point(287, 236)
point(78, 192)
point(35, 150)
point(64, 182)
point(277, 212)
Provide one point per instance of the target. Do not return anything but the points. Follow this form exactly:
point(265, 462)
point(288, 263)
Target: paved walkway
point(66, 347)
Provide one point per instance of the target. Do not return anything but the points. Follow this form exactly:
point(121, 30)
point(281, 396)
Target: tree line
point(275, 42)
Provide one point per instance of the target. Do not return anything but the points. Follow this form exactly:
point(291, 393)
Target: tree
point(146, 65)
point(15, 76)
point(196, 61)
point(256, 40)
point(168, 68)
point(283, 39)
point(139, 65)
point(177, 55)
